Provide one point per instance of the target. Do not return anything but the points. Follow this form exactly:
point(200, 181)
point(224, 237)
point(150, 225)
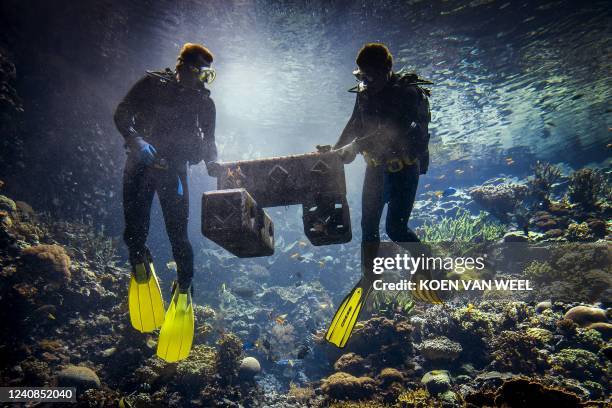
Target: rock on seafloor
point(249, 368)
point(82, 378)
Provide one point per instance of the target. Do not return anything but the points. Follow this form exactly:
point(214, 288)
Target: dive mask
point(363, 80)
point(206, 74)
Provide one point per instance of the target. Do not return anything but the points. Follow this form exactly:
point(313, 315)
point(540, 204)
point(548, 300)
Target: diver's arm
point(132, 104)
point(209, 151)
point(352, 129)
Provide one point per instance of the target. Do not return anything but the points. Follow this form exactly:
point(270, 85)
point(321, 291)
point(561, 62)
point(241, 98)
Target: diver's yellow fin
point(346, 316)
point(176, 335)
point(145, 299)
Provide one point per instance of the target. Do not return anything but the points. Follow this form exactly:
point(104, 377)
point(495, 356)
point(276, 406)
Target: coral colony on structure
point(519, 179)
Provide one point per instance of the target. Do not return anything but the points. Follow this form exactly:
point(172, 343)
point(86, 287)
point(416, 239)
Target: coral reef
point(540, 186)
point(440, 349)
point(228, 358)
point(516, 352)
point(351, 363)
point(586, 186)
point(499, 199)
point(462, 228)
point(342, 386)
point(577, 363)
point(48, 261)
point(584, 315)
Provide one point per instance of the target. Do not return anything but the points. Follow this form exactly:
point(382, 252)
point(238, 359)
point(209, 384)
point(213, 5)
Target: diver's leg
point(174, 200)
point(372, 205)
point(402, 192)
point(138, 192)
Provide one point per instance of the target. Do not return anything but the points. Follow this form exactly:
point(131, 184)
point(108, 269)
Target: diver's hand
point(146, 151)
point(214, 168)
point(347, 153)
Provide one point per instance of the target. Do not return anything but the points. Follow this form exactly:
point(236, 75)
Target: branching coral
point(545, 176)
point(418, 398)
point(300, 394)
point(462, 228)
point(587, 186)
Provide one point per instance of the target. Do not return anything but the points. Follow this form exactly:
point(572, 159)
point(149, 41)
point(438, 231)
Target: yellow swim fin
point(346, 316)
point(176, 335)
point(145, 299)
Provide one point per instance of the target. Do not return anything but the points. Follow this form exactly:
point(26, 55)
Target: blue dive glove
point(146, 151)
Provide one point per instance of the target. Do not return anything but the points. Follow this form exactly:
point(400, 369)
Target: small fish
point(282, 319)
point(359, 325)
point(324, 305)
point(171, 265)
point(248, 345)
point(509, 161)
point(285, 362)
point(321, 263)
point(302, 243)
point(459, 172)
point(427, 185)
point(442, 177)
point(609, 145)
point(438, 194)
point(50, 316)
point(151, 343)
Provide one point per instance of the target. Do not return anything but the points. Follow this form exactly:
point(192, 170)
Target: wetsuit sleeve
point(352, 129)
point(133, 104)
point(207, 122)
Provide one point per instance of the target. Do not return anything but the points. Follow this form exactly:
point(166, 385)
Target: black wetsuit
point(391, 128)
point(180, 123)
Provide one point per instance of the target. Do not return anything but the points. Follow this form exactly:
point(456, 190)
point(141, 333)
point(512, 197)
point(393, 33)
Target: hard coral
point(499, 199)
point(351, 363)
point(49, 261)
point(577, 363)
point(586, 186)
point(418, 398)
point(343, 386)
point(197, 369)
point(516, 352)
point(390, 375)
point(440, 349)
point(229, 351)
point(545, 175)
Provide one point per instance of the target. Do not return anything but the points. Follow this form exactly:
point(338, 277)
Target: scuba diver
point(168, 122)
point(389, 127)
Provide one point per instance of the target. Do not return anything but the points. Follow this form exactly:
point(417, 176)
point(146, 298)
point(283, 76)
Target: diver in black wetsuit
point(389, 126)
point(168, 122)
